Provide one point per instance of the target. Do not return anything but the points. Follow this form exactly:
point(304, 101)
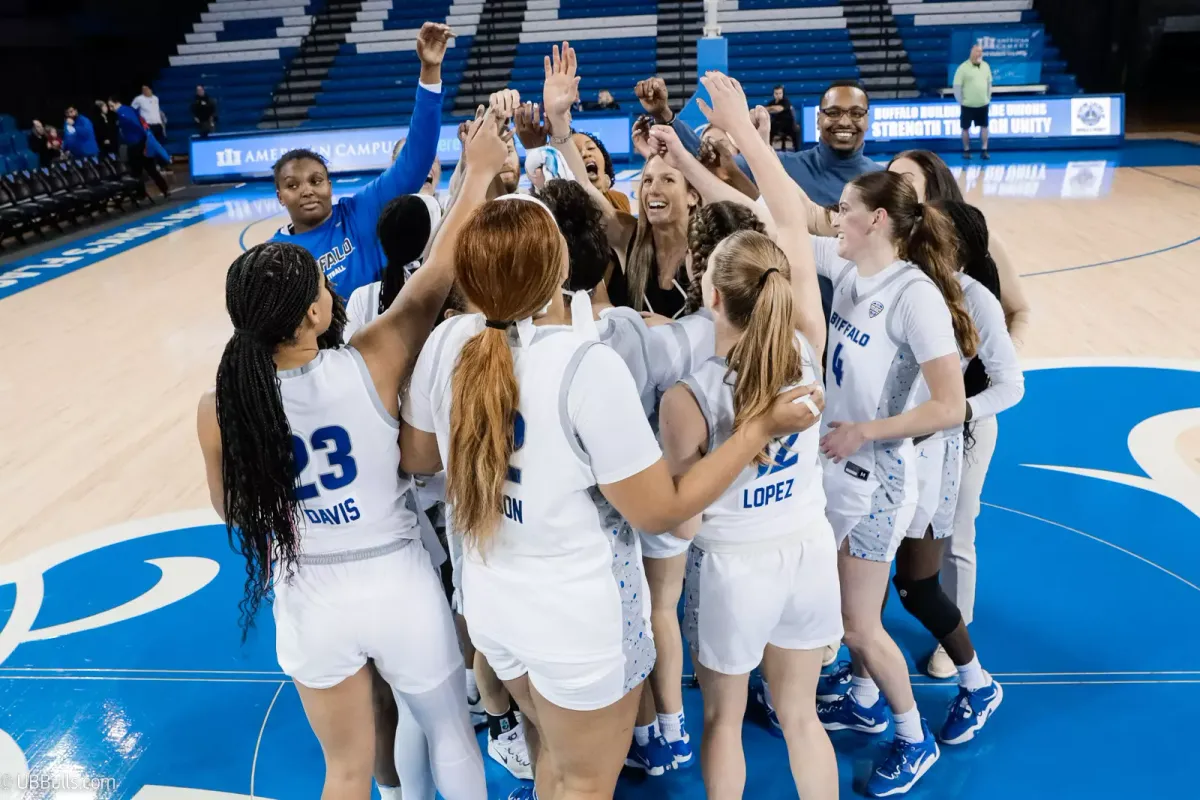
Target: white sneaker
point(511, 752)
point(831, 651)
point(478, 712)
point(940, 666)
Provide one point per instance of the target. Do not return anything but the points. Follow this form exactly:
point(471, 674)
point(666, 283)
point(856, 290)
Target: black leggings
point(919, 560)
point(140, 163)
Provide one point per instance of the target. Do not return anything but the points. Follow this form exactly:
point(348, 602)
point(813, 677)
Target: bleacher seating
point(801, 44)
point(68, 191)
point(926, 29)
point(615, 39)
point(373, 79)
point(237, 50)
point(14, 147)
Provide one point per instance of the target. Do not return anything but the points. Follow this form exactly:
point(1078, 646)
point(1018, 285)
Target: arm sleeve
point(923, 321)
point(607, 414)
point(998, 355)
point(416, 408)
point(408, 173)
point(829, 263)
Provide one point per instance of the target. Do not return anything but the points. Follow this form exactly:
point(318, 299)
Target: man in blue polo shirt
point(341, 236)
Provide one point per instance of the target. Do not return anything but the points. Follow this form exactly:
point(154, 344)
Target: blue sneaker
point(524, 793)
point(845, 714)
point(904, 765)
point(655, 757)
point(835, 684)
point(970, 711)
point(682, 750)
point(758, 699)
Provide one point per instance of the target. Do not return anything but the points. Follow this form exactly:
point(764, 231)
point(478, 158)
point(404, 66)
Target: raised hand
point(505, 102)
point(562, 83)
point(641, 138)
point(665, 142)
point(531, 130)
point(432, 40)
point(652, 93)
point(485, 149)
point(762, 122)
point(729, 111)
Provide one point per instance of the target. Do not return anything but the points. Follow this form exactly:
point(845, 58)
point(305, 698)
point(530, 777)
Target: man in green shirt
point(973, 90)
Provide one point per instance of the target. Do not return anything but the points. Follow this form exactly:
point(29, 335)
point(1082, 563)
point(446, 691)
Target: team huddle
point(479, 497)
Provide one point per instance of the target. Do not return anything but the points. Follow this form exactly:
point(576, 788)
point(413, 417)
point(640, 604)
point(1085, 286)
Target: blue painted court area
point(121, 657)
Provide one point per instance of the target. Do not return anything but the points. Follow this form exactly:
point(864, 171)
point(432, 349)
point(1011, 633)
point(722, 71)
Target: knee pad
point(926, 601)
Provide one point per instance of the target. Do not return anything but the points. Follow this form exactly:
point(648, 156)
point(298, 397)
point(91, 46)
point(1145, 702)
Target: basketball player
point(939, 461)
point(300, 448)
point(529, 424)
point(898, 316)
point(341, 236)
point(762, 573)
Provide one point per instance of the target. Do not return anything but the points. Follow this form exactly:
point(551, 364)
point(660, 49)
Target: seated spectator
point(105, 123)
point(40, 144)
point(604, 102)
point(204, 112)
point(80, 138)
point(783, 120)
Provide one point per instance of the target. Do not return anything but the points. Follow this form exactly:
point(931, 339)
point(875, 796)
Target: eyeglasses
point(834, 112)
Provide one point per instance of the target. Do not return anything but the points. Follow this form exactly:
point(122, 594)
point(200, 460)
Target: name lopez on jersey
point(843, 326)
point(343, 513)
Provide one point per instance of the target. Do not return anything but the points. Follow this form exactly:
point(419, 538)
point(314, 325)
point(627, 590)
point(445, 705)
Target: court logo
point(876, 309)
point(1091, 116)
point(229, 157)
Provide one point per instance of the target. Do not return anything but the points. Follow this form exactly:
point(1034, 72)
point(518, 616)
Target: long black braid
point(268, 291)
point(976, 261)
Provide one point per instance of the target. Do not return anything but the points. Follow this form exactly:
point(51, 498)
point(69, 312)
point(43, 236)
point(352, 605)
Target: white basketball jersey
point(549, 520)
point(871, 375)
point(347, 457)
point(768, 501)
point(971, 289)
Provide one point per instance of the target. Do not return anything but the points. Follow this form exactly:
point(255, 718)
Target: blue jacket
point(130, 126)
point(345, 245)
point(79, 138)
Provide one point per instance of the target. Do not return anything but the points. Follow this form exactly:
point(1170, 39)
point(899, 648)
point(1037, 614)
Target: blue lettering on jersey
point(336, 256)
point(514, 473)
point(335, 442)
point(837, 366)
point(784, 457)
point(514, 509)
point(767, 494)
point(341, 514)
point(843, 326)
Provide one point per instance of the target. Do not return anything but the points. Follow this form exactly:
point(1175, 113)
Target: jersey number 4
point(837, 366)
point(335, 443)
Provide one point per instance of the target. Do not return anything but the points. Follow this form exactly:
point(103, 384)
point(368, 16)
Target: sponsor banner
point(1016, 118)
point(251, 155)
point(1014, 52)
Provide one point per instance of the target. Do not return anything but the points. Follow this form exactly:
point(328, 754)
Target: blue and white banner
point(251, 155)
point(1025, 118)
point(1014, 52)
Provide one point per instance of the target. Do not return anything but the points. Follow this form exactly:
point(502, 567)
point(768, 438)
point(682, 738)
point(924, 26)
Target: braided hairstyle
point(707, 228)
point(268, 292)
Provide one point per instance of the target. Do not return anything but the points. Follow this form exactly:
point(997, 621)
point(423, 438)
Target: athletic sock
point(472, 687)
point(390, 792)
point(642, 734)
point(864, 691)
point(971, 676)
point(908, 725)
point(671, 726)
point(500, 725)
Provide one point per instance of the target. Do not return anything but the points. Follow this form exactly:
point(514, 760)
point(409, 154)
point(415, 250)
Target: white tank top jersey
point(881, 329)
point(580, 423)
point(361, 308)
point(767, 502)
point(996, 351)
point(347, 457)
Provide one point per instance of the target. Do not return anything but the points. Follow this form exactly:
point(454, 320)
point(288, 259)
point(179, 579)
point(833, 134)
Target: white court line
point(276, 673)
point(132, 678)
point(257, 744)
point(1144, 560)
point(1067, 683)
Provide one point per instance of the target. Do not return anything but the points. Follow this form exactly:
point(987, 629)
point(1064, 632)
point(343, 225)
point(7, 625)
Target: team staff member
point(342, 236)
point(973, 91)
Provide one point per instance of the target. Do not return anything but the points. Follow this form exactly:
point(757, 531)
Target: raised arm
point(729, 112)
point(391, 343)
point(684, 435)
